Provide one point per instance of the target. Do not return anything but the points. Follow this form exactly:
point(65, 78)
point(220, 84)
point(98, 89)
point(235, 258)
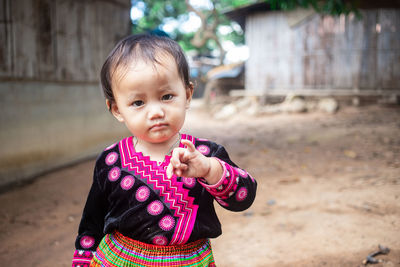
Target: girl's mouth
point(158, 126)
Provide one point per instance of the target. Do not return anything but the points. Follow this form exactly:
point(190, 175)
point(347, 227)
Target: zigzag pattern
point(170, 190)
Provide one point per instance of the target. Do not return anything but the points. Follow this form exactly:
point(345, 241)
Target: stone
point(226, 112)
point(294, 104)
point(329, 105)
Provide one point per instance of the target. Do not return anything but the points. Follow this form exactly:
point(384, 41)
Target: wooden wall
point(59, 40)
point(323, 52)
point(52, 111)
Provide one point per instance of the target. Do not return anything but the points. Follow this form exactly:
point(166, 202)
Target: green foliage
point(234, 3)
point(331, 7)
point(157, 12)
point(184, 42)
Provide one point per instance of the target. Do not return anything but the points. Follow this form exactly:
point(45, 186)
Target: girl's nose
point(156, 111)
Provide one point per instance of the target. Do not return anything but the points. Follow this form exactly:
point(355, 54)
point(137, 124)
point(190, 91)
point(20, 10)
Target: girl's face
point(151, 100)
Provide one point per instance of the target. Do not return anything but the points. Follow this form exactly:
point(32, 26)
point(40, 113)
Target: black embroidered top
point(132, 194)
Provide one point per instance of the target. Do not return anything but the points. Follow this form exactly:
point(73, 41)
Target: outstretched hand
point(188, 162)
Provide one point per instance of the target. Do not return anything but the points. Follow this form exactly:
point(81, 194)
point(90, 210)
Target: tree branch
point(198, 13)
point(206, 31)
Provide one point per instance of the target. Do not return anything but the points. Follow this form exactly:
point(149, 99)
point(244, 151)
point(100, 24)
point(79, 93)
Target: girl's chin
point(159, 139)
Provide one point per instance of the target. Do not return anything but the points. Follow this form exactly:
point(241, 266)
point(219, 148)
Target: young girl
point(151, 201)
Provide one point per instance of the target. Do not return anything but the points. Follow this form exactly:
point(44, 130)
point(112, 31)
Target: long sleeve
point(133, 195)
point(236, 190)
point(91, 226)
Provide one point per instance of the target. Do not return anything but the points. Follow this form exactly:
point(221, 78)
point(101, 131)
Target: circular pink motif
point(223, 203)
point(203, 149)
point(160, 240)
point(155, 207)
point(241, 194)
point(143, 193)
point(241, 172)
point(189, 182)
point(114, 174)
point(111, 158)
point(127, 182)
point(167, 223)
point(87, 241)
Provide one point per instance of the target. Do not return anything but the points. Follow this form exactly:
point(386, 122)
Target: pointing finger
point(169, 170)
point(189, 145)
point(176, 157)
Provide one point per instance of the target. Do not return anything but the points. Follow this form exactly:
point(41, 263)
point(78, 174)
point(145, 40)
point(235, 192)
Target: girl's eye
point(167, 97)
point(138, 103)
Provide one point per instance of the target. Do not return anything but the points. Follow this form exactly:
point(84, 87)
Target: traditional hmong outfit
point(135, 215)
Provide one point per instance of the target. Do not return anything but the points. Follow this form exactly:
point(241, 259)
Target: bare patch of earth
point(328, 193)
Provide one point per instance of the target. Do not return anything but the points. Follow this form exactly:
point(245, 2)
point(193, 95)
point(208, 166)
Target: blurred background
point(254, 64)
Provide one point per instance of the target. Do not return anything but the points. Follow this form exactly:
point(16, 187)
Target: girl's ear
point(113, 108)
point(189, 94)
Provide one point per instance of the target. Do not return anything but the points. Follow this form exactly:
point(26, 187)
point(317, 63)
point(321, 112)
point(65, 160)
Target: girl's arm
point(232, 187)
point(91, 226)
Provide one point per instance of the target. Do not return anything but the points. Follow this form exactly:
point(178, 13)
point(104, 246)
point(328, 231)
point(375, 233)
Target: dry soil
point(328, 193)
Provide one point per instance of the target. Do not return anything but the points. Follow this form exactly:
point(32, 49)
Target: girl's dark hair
point(144, 47)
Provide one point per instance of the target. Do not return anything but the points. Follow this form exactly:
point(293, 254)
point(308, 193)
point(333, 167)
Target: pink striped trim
point(221, 180)
point(170, 190)
point(77, 261)
point(82, 257)
point(228, 174)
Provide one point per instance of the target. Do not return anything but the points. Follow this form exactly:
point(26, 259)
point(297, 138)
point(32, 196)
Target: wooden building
point(308, 53)
point(52, 111)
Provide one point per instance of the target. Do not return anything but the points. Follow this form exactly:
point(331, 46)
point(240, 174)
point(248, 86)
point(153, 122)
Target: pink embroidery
point(205, 150)
point(241, 194)
point(87, 241)
point(202, 139)
point(189, 182)
point(160, 240)
point(82, 258)
point(111, 146)
point(241, 172)
point(251, 177)
point(143, 193)
point(114, 174)
point(127, 182)
point(223, 203)
point(111, 158)
point(172, 192)
point(155, 207)
point(223, 188)
point(167, 223)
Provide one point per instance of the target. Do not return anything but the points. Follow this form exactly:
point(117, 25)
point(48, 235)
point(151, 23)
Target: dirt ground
point(328, 193)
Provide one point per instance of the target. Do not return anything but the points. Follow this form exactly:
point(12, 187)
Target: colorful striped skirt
point(118, 250)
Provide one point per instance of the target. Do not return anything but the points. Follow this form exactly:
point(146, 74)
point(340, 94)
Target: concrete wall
point(52, 111)
point(300, 50)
